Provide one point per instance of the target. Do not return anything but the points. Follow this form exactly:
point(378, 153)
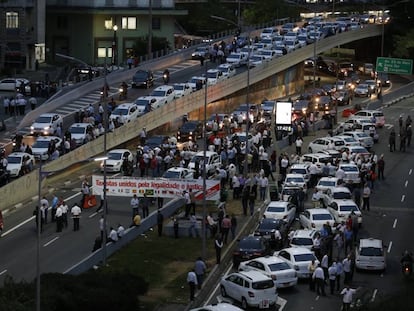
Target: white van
point(370, 114)
point(370, 255)
point(213, 161)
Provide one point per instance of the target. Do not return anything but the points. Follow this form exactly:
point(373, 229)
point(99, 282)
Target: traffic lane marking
point(374, 294)
point(406, 184)
point(410, 171)
point(3, 272)
point(389, 247)
point(395, 223)
point(51, 241)
point(402, 198)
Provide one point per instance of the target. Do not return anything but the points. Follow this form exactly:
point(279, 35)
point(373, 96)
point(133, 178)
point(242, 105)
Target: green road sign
point(395, 65)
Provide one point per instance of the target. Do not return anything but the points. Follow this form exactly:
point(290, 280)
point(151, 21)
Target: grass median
point(165, 261)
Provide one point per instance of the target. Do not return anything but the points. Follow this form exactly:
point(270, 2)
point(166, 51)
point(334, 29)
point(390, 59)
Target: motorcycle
point(123, 92)
point(166, 77)
point(406, 268)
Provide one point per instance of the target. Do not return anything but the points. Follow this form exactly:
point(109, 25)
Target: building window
point(156, 23)
point(105, 52)
point(108, 24)
point(62, 22)
point(12, 20)
point(129, 22)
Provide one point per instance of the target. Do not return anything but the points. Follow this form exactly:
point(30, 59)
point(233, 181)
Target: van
point(370, 255)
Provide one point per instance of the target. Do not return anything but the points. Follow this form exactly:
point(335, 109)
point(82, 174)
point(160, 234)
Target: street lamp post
point(39, 225)
point(150, 30)
point(114, 47)
point(204, 229)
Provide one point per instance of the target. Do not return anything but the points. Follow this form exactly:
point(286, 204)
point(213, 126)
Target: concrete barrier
point(95, 258)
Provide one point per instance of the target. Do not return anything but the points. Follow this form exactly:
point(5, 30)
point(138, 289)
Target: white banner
point(155, 187)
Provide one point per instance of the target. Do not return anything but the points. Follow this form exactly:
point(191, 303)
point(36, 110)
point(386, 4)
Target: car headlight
point(32, 127)
point(46, 128)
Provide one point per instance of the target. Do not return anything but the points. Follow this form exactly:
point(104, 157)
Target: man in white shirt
point(58, 217)
point(76, 212)
point(263, 183)
point(113, 235)
point(319, 278)
point(120, 231)
point(134, 205)
point(192, 282)
point(347, 296)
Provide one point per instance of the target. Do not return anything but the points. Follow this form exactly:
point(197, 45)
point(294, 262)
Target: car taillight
point(251, 294)
point(257, 254)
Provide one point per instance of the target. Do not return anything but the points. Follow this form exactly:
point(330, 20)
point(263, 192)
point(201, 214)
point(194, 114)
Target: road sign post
point(394, 65)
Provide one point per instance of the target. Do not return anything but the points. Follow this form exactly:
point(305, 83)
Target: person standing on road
point(200, 269)
point(298, 144)
point(76, 213)
point(218, 245)
point(134, 205)
point(160, 222)
point(408, 134)
point(65, 209)
point(339, 271)
point(319, 279)
point(44, 203)
point(58, 217)
point(332, 277)
point(347, 269)
point(233, 226)
point(311, 268)
point(366, 193)
point(381, 167)
point(85, 192)
point(225, 227)
point(391, 140)
point(192, 282)
point(347, 296)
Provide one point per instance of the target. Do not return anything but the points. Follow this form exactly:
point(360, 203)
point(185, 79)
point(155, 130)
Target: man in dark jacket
point(391, 140)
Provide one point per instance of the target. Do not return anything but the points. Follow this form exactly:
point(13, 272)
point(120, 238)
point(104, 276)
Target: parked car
point(165, 92)
point(125, 113)
point(250, 247)
point(336, 193)
point(201, 52)
point(268, 226)
point(228, 70)
point(143, 78)
point(315, 218)
point(303, 238)
point(40, 148)
point(213, 161)
point(370, 255)
point(236, 59)
point(19, 163)
point(46, 124)
point(276, 268)
point(299, 259)
point(190, 130)
point(250, 288)
point(115, 159)
point(285, 211)
point(15, 84)
point(341, 209)
point(80, 132)
point(221, 306)
point(179, 173)
point(182, 89)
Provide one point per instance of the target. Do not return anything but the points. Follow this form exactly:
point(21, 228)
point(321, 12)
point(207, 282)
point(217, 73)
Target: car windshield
point(141, 75)
point(198, 158)
point(370, 251)
point(304, 257)
point(350, 168)
point(256, 58)
point(41, 144)
point(179, 87)
point(269, 225)
point(276, 209)
point(295, 180)
point(114, 156)
point(44, 120)
point(321, 217)
point(289, 191)
point(326, 183)
point(362, 135)
point(250, 244)
point(189, 126)
point(212, 75)
point(77, 130)
point(223, 70)
point(120, 111)
point(348, 208)
point(195, 80)
point(14, 160)
point(302, 241)
point(235, 55)
point(171, 174)
point(341, 195)
point(279, 266)
point(158, 93)
point(360, 150)
point(298, 171)
point(263, 284)
point(155, 140)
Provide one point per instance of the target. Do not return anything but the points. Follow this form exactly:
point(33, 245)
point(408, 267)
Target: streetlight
point(150, 30)
point(204, 229)
point(114, 46)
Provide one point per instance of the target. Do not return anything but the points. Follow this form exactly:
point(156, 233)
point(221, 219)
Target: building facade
point(94, 31)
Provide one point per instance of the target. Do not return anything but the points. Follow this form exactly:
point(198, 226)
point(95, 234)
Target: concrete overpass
point(194, 102)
